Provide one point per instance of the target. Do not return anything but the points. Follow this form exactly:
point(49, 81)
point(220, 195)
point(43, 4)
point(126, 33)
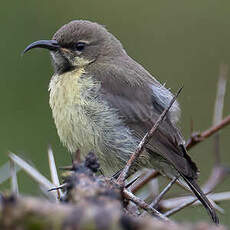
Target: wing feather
point(130, 90)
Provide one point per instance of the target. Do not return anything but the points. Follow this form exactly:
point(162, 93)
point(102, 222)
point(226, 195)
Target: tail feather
point(202, 198)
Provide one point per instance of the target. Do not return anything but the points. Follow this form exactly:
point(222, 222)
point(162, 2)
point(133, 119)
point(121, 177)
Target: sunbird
point(103, 100)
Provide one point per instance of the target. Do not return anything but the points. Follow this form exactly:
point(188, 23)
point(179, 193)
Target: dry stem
point(144, 141)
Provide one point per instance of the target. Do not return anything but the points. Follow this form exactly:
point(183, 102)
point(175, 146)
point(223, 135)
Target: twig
point(217, 207)
point(221, 88)
point(130, 183)
point(37, 176)
point(58, 187)
point(144, 141)
point(163, 192)
point(154, 188)
point(14, 181)
point(5, 171)
point(199, 137)
point(128, 195)
point(172, 203)
point(53, 171)
point(140, 183)
point(151, 175)
point(158, 198)
point(194, 140)
point(218, 174)
point(218, 123)
point(181, 206)
point(66, 168)
point(218, 110)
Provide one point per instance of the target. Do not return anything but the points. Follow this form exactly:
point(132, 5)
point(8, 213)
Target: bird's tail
point(202, 198)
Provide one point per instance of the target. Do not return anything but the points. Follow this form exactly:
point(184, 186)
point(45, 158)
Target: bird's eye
point(79, 46)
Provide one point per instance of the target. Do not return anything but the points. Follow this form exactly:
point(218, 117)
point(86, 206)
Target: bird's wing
point(138, 106)
point(139, 109)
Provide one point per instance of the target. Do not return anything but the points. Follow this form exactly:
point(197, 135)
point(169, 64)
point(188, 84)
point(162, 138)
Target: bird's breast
point(85, 121)
point(68, 101)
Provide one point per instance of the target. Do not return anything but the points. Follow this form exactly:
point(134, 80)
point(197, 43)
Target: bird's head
point(79, 43)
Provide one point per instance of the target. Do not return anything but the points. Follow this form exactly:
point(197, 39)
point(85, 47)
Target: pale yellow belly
point(87, 123)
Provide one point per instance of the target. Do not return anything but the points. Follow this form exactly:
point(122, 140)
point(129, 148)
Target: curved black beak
point(46, 44)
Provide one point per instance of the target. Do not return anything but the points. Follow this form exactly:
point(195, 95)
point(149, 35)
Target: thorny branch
point(219, 172)
point(194, 140)
point(135, 155)
point(199, 137)
point(169, 205)
point(163, 192)
point(146, 178)
point(144, 141)
point(172, 203)
point(128, 195)
point(218, 123)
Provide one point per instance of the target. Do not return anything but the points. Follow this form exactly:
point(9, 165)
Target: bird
point(103, 100)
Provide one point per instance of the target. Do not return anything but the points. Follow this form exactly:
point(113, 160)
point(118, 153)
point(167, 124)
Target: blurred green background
point(180, 42)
